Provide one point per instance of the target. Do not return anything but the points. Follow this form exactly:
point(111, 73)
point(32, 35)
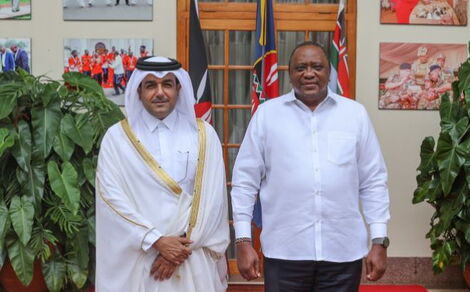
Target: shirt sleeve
point(373, 189)
point(248, 171)
point(109, 179)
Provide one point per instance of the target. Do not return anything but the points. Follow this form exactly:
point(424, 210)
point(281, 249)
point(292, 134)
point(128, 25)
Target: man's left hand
point(162, 269)
point(376, 262)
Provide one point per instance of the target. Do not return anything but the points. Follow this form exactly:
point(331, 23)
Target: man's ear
point(178, 87)
point(139, 90)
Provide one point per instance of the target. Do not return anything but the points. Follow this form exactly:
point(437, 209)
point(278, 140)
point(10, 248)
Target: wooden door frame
point(288, 17)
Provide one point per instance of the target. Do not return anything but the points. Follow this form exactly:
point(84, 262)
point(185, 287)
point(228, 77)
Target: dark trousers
point(311, 276)
point(117, 2)
point(98, 78)
point(105, 75)
point(118, 83)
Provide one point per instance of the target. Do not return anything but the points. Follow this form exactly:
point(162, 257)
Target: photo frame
point(15, 53)
point(425, 12)
point(102, 58)
point(412, 76)
point(132, 10)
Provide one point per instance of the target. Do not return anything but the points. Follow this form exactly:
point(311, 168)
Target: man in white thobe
point(161, 204)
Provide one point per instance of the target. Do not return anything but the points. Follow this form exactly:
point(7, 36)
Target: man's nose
point(310, 72)
point(159, 91)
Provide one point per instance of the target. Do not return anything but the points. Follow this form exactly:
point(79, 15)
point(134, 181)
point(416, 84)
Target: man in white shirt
point(118, 73)
point(314, 158)
point(15, 5)
point(161, 203)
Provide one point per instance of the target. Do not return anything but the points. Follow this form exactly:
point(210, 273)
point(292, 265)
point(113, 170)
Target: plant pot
point(466, 274)
point(11, 283)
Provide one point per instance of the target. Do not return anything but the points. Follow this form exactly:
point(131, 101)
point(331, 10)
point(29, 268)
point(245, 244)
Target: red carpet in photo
point(377, 288)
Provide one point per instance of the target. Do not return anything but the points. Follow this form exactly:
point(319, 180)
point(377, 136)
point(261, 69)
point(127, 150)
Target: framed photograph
point(413, 76)
point(108, 9)
point(15, 53)
point(15, 9)
point(109, 61)
point(427, 12)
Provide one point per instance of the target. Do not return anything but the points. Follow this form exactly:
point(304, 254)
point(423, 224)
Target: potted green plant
point(444, 177)
point(50, 132)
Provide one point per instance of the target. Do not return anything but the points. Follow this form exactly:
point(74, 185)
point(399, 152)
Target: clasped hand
point(173, 251)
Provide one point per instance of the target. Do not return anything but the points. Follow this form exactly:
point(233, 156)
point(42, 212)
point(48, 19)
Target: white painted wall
point(48, 30)
point(400, 132)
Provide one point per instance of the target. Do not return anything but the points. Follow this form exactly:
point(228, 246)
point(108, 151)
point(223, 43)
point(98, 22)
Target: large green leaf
point(80, 247)
point(9, 94)
point(435, 189)
point(4, 224)
point(54, 273)
point(467, 234)
point(80, 133)
point(92, 230)
point(46, 122)
point(33, 179)
point(450, 157)
point(78, 275)
point(63, 145)
point(3, 255)
point(421, 192)
point(6, 140)
point(427, 154)
point(102, 120)
point(82, 82)
point(50, 94)
point(23, 146)
point(464, 75)
point(448, 210)
point(448, 110)
point(455, 129)
point(466, 167)
point(89, 169)
point(64, 184)
point(21, 215)
point(22, 260)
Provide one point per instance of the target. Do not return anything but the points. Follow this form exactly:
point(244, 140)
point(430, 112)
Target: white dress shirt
point(117, 65)
point(174, 144)
point(314, 171)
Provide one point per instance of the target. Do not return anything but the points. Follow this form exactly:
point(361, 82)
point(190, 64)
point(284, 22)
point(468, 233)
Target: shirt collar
point(331, 98)
point(152, 122)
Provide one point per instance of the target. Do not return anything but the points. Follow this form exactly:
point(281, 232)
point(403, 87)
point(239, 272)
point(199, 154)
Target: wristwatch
point(383, 241)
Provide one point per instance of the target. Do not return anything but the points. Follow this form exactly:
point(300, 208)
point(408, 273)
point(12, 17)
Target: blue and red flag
point(265, 75)
point(339, 74)
point(198, 70)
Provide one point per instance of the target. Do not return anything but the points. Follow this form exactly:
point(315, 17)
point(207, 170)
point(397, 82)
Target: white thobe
point(313, 170)
point(134, 208)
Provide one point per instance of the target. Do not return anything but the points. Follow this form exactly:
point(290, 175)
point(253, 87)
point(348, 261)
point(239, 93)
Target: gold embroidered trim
point(119, 213)
point(198, 179)
point(148, 158)
point(213, 254)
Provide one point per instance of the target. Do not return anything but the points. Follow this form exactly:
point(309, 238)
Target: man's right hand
point(248, 261)
point(173, 248)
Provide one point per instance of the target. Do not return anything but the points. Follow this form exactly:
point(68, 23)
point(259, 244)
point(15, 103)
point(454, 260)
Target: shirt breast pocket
point(341, 148)
point(185, 166)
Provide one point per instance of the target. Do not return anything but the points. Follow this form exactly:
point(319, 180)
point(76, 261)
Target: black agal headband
point(144, 65)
